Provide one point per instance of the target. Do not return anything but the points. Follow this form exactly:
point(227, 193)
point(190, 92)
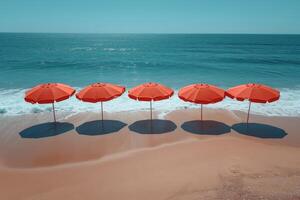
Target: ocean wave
point(247, 60)
point(119, 49)
point(12, 103)
point(83, 49)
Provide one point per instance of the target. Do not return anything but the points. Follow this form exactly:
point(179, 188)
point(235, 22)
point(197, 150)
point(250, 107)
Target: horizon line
point(154, 33)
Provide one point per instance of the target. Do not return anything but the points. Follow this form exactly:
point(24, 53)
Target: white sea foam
point(83, 49)
point(119, 49)
point(12, 103)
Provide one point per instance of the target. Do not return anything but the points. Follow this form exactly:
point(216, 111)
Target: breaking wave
point(12, 103)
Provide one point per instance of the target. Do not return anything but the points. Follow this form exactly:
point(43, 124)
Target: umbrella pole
point(102, 114)
point(151, 116)
point(201, 111)
point(101, 110)
point(248, 112)
point(53, 112)
point(151, 110)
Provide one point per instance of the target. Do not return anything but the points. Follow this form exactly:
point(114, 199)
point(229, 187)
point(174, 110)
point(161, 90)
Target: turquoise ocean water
point(27, 59)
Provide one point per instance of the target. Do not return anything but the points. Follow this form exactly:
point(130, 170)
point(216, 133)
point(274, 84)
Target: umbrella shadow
point(155, 126)
point(99, 127)
point(259, 130)
point(48, 129)
point(206, 127)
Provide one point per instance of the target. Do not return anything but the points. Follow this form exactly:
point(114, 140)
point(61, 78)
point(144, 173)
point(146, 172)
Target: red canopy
point(201, 93)
point(100, 92)
point(150, 92)
point(49, 93)
point(253, 92)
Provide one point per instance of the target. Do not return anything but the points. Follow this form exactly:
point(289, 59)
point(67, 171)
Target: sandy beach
point(124, 158)
point(149, 100)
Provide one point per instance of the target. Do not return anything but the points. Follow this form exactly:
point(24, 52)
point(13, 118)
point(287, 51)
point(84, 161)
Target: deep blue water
point(129, 59)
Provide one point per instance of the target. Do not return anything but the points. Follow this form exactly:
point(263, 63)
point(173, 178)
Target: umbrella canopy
point(257, 93)
point(100, 92)
point(49, 93)
point(253, 92)
point(201, 94)
point(150, 92)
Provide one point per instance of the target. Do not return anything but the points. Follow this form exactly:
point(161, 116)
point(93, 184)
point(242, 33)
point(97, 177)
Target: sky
point(151, 16)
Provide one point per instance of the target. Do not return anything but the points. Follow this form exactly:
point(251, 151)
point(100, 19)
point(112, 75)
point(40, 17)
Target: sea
point(175, 60)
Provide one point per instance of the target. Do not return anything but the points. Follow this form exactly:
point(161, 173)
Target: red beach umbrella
point(201, 94)
point(49, 93)
point(150, 92)
point(100, 92)
point(254, 92)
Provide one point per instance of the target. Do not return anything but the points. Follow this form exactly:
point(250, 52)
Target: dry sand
point(182, 158)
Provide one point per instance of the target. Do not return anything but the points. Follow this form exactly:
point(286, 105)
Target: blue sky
point(151, 16)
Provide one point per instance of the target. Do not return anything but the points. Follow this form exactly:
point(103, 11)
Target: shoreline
point(13, 104)
point(170, 129)
point(65, 114)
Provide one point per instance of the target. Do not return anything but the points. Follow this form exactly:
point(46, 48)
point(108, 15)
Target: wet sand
point(125, 157)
